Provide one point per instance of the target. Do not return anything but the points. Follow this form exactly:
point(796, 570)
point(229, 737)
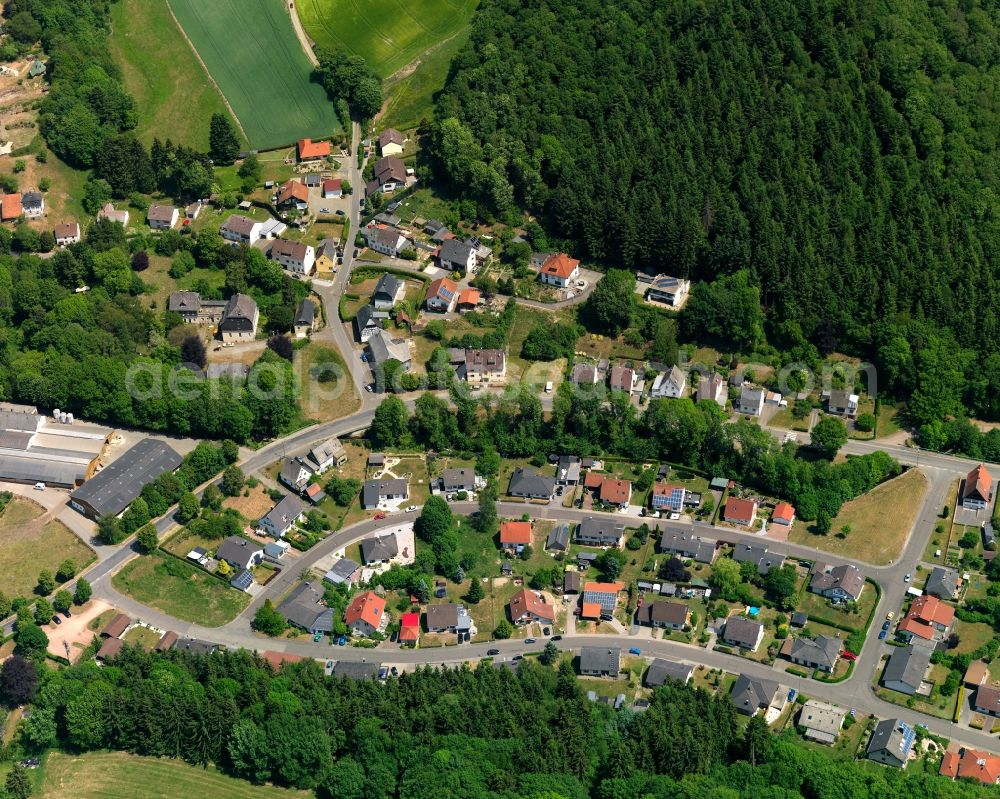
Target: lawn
point(333, 399)
point(933, 705)
point(971, 636)
point(174, 97)
point(411, 96)
point(261, 69)
point(876, 536)
point(29, 547)
point(142, 636)
point(181, 590)
point(820, 608)
point(96, 775)
point(388, 34)
point(785, 419)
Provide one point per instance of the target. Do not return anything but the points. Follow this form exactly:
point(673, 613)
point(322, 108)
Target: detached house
point(685, 545)
point(839, 583)
point(448, 618)
point(784, 514)
point(283, 516)
point(366, 615)
point(987, 700)
point(240, 553)
point(458, 480)
point(929, 618)
point(305, 319)
point(668, 498)
point(296, 256)
point(599, 599)
point(600, 532)
point(485, 366)
point(304, 608)
point(743, 632)
point(390, 174)
point(457, 256)
point(374, 492)
point(294, 474)
point(584, 374)
point(527, 606)
point(293, 194)
point(559, 270)
point(600, 661)
point(241, 230)
point(568, 470)
point(162, 217)
point(390, 142)
point(616, 493)
point(669, 385)
point(843, 403)
point(740, 511)
point(67, 233)
point(758, 555)
point(906, 668)
point(713, 388)
point(310, 150)
point(239, 319)
point(666, 615)
point(528, 483)
point(821, 653)
point(623, 379)
point(752, 694)
point(751, 400)
point(33, 204)
point(388, 291)
point(328, 454)
point(971, 764)
point(109, 212)
point(669, 290)
point(515, 536)
point(379, 550)
point(977, 492)
point(441, 295)
point(385, 239)
point(942, 583)
point(891, 743)
point(367, 320)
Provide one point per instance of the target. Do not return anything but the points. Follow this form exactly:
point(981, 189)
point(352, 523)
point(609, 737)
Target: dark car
point(885, 625)
point(57, 620)
point(529, 640)
point(518, 657)
point(492, 651)
point(556, 637)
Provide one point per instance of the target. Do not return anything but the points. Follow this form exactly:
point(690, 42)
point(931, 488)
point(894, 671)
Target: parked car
point(317, 637)
point(886, 624)
point(518, 657)
point(545, 631)
point(379, 516)
point(635, 651)
point(529, 640)
point(556, 637)
point(881, 635)
point(342, 641)
point(39, 486)
point(410, 508)
point(907, 578)
point(889, 615)
point(791, 695)
point(340, 212)
point(492, 651)
point(57, 620)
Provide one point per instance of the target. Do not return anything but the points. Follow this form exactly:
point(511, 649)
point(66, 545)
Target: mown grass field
point(174, 97)
point(389, 34)
point(251, 51)
point(97, 775)
point(411, 97)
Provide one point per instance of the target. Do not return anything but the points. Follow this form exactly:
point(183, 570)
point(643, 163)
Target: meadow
point(251, 51)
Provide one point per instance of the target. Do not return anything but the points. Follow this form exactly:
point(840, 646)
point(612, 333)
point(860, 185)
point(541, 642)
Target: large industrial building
point(55, 450)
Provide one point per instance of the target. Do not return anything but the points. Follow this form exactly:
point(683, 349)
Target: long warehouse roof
point(113, 488)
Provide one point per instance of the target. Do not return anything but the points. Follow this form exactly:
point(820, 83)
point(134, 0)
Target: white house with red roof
point(559, 270)
point(366, 615)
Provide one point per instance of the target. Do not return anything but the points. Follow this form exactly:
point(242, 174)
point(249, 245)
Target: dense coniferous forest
point(844, 152)
point(441, 734)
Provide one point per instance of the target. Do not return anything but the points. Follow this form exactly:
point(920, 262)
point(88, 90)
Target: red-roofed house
point(527, 606)
point(292, 192)
point(972, 764)
point(441, 295)
point(740, 511)
point(409, 628)
point(310, 150)
point(515, 536)
point(929, 618)
point(468, 299)
point(366, 614)
point(616, 492)
point(590, 610)
point(978, 489)
point(559, 270)
point(593, 480)
point(332, 189)
point(10, 207)
point(783, 514)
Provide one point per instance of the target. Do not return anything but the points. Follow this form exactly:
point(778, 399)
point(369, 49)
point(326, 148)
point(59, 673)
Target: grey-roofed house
point(294, 474)
point(113, 489)
point(942, 583)
point(600, 661)
point(375, 491)
point(458, 480)
point(568, 470)
point(759, 556)
point(239, 319)
point(327, 455)
point(239, 552)
point(743, 632)
point(821, 653)
point(195, 646)
point(891, 743)
point(283, 516)
point(305, 318)
point(380, 549)
point(675, 542)
point(457, 256)
point(558, 540)
point(660, 613)
point(387, 292)
point(526, 482)
point(353, 670)
point(751, 400)
point(383, 348)
point(661, 670)
point(906, 668)
point(839, 583)
point(600, 532)
point(821, 721)
point(989, 537)
point(367, 320)
point(752, 694)
point(572, 583)
point(344, 571)
point(304, 608)
point(447, 618)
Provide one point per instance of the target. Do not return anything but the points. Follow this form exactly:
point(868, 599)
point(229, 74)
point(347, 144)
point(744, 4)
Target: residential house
point(891, 743)
point(458, 480)
point(572, 582)
point(559, 270)
point(332, 188)
point(942, 583)
point(821, 652)
point(109, 212)
point(740, 511)
point(110, 649)
point(667, 615)
point(602, 597)
point(305, 319)
point(977, 491)
point(305, 608)
point(239, 229)
point(989, 537)
point(568, 470)
point(750, 695)
point(669, 290)
point(558, 540)
point(584, 374)
point(600, 532)
point(928, 618)
point(33, 204)
point(661, 670)
point(343, 572)
point(441, 295)
point(669, 385)
point(784, 513)
point(713, 388)
point(515, 536)
point(162, 217)
point(668, 498)
point(485, 366)
point(528, 606)
point(820, 721)
point(390, 142)
point(310, 150)
point(379, 550)
point(294, 474)
point(843, 403)
point(906, 668)
point(239, 552)
point(468, 300)
point(623, 379)
point(457, 256)
point(296, 256)
point(616, 493)
point(600, 661)
point(67, 233)
point(293, 194)
point(751, 400)
point(326, 257)
point(354, 670)
point(365, 615)
point(528, 483)
point(743, 632)
point(10, 207)
point(191, 308)
point(758, 555)
point(382, 349)
point(282, 517)
point(987, 700)
point(409, 629)
point(367, 320)
point(688, 546)
point(388, 291)
point(976, 675)
point(374, 492)
point(193, 211)
point(971, 764)
point(239, 319)
point(839, 583)
point(390, 174)
point(448, 618)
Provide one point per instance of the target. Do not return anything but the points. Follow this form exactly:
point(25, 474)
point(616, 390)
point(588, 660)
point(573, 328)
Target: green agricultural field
point(251, 51)
point(174, 97)
point(411, 97)
point(389, 34)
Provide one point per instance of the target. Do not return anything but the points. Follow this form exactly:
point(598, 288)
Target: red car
point(849, 655)
point(379, 515)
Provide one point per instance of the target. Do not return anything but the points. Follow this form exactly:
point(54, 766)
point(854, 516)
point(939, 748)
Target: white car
point(39, 486)
point(411, 508)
